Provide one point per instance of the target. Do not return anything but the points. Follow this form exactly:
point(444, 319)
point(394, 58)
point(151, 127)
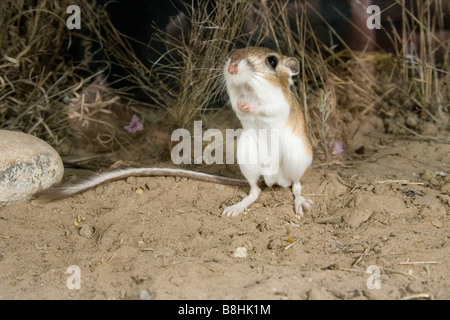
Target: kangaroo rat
point(258, 82)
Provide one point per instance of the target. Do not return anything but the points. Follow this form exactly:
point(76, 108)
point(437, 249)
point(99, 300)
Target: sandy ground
point(165, 238)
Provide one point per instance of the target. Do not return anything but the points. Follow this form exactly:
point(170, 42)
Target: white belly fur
point(293, 158)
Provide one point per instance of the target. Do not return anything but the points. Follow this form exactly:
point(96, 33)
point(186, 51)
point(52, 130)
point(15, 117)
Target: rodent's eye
point(272, 61)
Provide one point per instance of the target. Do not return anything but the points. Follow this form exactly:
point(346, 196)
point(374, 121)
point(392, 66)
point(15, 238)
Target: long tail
point(64, 190)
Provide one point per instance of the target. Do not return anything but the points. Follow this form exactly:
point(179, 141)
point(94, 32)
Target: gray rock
point(27, 165)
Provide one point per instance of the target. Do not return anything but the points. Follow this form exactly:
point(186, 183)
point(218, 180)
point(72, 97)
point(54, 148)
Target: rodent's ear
point(294, 65)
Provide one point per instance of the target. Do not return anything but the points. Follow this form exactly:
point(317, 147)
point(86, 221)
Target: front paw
point(245, 107)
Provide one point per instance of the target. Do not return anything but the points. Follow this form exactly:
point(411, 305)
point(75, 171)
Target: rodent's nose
point(233, 68)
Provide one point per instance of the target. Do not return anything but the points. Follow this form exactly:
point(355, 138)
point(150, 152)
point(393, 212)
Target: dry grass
point(34, 75)
point(39, 88)
point(413, 79)
point(185, 80)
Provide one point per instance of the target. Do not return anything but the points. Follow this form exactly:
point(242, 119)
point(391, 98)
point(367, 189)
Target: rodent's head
point(248, 64)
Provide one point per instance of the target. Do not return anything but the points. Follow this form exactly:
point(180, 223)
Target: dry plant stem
point(419, 262)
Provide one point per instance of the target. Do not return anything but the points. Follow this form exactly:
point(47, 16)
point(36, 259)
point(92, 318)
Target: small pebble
point(437, 223)
point(140, 190)
point(415, 287)
point(331, 220)
point(146, 294)
point(86, 231)
point(240, 252)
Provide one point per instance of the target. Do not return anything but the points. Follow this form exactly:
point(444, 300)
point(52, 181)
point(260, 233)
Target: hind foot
point(301, 205)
